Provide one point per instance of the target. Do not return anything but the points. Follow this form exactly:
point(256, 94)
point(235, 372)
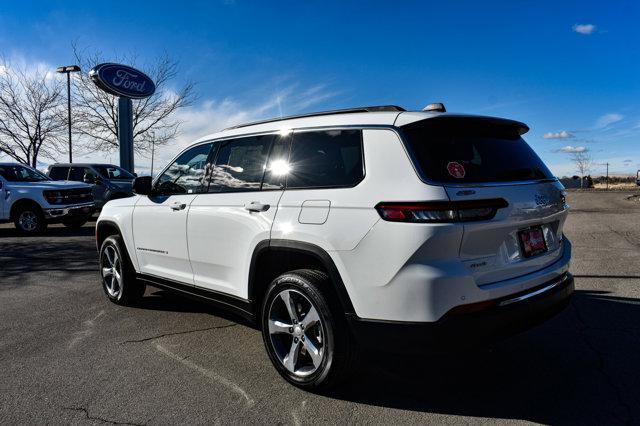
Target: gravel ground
point(67, 355)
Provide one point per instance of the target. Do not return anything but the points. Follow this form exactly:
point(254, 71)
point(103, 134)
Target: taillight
point(441, 211)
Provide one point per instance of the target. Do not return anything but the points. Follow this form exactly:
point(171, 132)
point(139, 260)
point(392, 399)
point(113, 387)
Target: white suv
point(365, 228)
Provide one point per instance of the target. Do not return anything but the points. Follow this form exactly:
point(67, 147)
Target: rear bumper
point(468, 324)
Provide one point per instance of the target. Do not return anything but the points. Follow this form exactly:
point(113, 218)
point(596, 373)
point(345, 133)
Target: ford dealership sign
point(122, 80)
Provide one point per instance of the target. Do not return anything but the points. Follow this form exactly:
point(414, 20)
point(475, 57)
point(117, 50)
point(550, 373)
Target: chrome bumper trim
point(534, 293)
point(63, 211)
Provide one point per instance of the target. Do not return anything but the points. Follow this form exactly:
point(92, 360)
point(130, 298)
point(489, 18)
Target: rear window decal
point(456, 169)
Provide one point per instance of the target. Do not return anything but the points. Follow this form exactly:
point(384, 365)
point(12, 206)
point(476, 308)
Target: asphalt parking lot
point(67, 355)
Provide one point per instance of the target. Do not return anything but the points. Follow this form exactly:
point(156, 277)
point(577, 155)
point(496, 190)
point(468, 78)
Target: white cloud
point(214, 115)
point(571, 149)
point(199, 120)
point(584, 28)
point(563, 134)
point(608, 119)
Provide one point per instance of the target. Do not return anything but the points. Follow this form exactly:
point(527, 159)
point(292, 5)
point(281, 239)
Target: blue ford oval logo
point(122, 80)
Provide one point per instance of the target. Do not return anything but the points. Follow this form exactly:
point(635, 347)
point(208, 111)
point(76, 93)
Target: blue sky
point(569, 69)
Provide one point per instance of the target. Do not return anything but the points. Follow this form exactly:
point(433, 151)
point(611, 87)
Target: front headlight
point(53, 197)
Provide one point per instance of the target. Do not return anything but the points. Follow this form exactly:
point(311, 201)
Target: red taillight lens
point(441, 211)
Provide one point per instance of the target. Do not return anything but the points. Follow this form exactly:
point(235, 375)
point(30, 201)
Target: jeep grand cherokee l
point(372, 228)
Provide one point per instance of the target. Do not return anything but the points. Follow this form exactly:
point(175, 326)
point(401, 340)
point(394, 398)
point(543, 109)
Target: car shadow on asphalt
point(47, 253)
point(580, 367)
point(51, 232)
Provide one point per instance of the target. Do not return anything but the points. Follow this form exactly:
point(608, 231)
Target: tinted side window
point(114, 173)
point(186, 174)
point(59, 173)
point(240, 164)
point(78, 173)
point(329, 158)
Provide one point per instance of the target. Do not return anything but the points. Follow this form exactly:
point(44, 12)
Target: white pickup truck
point(31, 200)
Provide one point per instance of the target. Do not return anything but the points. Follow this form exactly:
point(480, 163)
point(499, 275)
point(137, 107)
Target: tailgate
point(493, 250)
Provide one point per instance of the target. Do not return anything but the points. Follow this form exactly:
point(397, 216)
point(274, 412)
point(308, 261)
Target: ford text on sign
point(122, 80)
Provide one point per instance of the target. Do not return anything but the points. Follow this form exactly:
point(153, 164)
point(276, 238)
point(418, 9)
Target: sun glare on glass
point(279, 168)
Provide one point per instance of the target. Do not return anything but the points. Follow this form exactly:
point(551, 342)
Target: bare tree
point(96, 112)
point(583, 162)
point(32, 120)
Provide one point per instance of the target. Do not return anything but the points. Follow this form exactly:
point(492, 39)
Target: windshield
point(467, 150)
point(19, 173)
point(114, 173)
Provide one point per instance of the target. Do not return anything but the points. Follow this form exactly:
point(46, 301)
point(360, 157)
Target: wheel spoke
point(313, 352)
point(117, 275)
point(311, 318)
point(106, 272)
point(276, 326)
point(107, 252)
point(290, 304)
point(115, 284)
point(292, 358)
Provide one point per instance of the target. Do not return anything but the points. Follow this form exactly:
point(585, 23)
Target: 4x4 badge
point(541, 200)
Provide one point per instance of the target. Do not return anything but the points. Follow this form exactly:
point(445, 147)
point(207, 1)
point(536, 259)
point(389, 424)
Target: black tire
point(129, 290)
point(29, 219)
point(338, 349)
point(75, 223)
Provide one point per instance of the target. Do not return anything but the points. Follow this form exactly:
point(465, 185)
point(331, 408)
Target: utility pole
point(607, 176)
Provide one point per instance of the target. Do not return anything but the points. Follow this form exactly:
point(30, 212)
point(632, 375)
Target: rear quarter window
point(467, 150)
point(325, 159)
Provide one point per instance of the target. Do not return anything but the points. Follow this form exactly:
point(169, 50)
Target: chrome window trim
point(397, 130)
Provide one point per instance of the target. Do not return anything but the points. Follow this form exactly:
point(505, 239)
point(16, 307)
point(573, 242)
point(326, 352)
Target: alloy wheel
point(111, 271)
point(296, 332)
point(28, 221)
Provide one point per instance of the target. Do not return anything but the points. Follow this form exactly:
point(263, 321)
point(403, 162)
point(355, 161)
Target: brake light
point(440, 211)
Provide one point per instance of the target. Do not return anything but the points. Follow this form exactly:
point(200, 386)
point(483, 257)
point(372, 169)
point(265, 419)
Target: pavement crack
point(159, 336)
point(600, 366)
point(100, 419)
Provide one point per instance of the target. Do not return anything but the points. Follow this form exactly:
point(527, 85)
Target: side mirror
point(91, 180)
point(142, 185)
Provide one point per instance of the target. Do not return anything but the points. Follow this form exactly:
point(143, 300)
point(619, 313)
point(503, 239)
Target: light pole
point(68, 70)
point(153, 148)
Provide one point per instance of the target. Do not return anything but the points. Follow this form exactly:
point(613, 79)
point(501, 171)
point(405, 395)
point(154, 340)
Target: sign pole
point(126, 83)
point(125, 133)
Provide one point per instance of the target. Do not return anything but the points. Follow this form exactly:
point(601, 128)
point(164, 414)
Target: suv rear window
point(468, 150)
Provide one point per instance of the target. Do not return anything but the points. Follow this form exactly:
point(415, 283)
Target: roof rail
point(378, 108)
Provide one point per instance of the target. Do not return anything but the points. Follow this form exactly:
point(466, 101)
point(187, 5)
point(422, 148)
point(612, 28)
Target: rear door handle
point(255, 206)
point(178, 206)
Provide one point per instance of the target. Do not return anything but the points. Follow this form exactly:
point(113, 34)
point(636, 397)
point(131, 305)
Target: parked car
point(31, 200)
point(109, 182)
point(371, 229)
